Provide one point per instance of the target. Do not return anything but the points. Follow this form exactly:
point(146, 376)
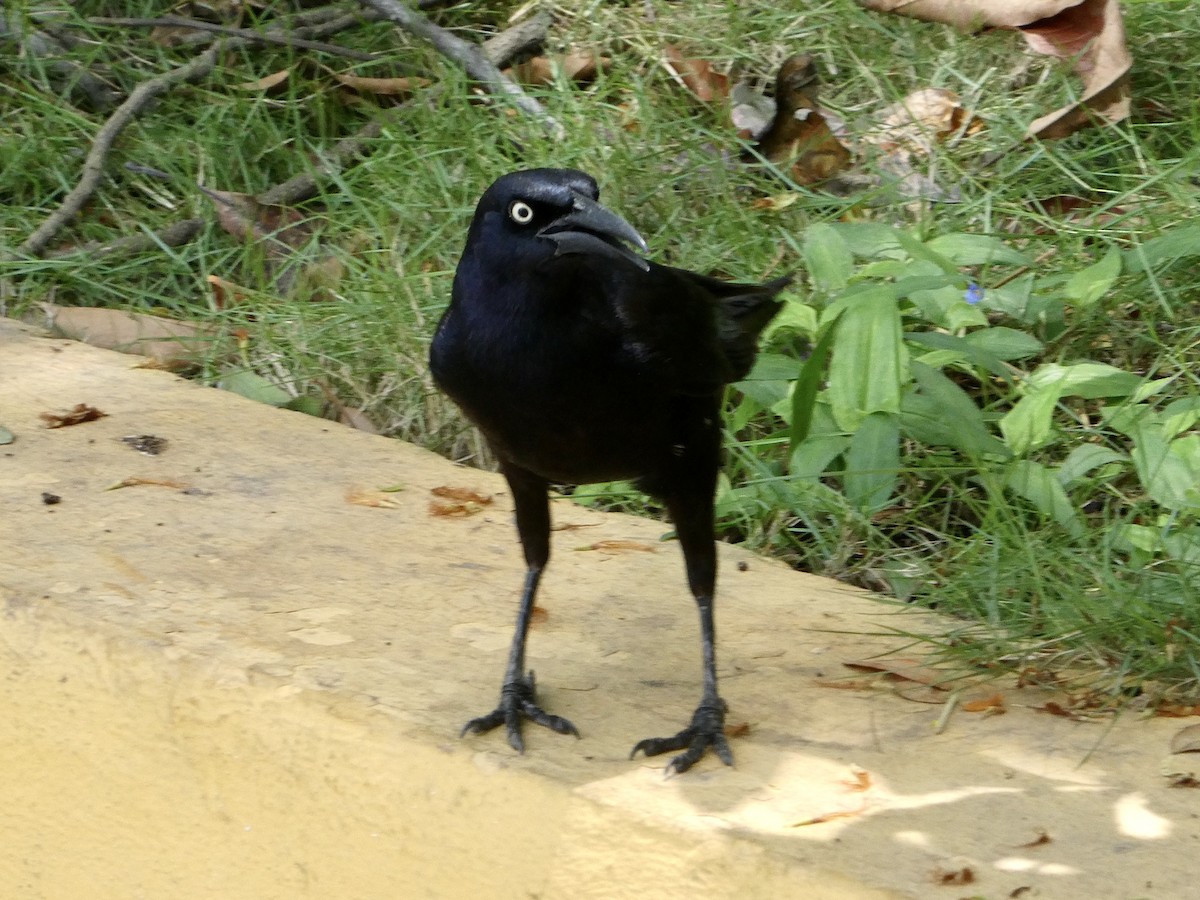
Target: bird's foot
point(518, 699)
point(707, 730)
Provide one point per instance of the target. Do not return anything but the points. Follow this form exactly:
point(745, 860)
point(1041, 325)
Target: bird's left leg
point(518, 695)
point(692, 513)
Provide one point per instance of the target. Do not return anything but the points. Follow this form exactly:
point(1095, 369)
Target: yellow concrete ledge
point(248, 686)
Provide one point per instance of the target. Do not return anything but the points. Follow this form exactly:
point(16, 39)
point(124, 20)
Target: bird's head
point(558, 209)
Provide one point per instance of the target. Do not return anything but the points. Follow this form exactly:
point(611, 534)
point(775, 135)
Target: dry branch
point(282, 38)
point(467, 55)
point(93, 166)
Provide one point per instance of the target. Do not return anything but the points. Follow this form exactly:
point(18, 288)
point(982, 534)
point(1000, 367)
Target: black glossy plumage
point(581, 362)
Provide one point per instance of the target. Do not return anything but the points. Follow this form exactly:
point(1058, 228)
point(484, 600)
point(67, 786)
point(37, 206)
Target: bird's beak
point(590, 228)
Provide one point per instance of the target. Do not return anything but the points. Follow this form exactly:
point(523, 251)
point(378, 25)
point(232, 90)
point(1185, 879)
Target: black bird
point(580, 362)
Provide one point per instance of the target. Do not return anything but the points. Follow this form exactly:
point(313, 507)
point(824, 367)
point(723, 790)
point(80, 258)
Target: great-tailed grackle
point(580, 362)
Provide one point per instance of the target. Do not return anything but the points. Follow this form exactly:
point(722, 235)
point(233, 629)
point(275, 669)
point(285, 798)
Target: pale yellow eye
point(520, 212)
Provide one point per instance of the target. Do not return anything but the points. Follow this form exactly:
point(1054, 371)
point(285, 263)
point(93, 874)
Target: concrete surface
point(249, 685)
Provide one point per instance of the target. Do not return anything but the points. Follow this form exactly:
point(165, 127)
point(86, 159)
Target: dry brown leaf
point(137, 481)
point(619, 546)
point(1042, 839)
point(538, 615)
point(77, 415)
point(374, 499)
point(226, 293)
point(1176, 711)
point(356, 418)
point(901, 668)
point(853, 684)
point(798, 136)
point(168, 342)
point(928, 113)
point(993, 704)
point(957, 875)
point(244, 217)
point(1096, 28)
point(829, 817)
point(1090, 30)
point(457, 502)
point(696, 75)
point(579, 66)
point(739, 730)
point(1186, 740)
point(861, 782)
point(267, 83)
point(401, 87)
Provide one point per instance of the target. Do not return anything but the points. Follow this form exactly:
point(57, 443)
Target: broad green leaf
point(812, 456)
point(1039, 486)
point(924, 252)
point(1182, 544)
point(873, 462)
point(1090, 380)
point(254, 387)
point(1169, 470)
point(977, 250)
point(1088, 285)
point(941, 414)
point(795, 315)
point(804, 392)
point(827, 258)
point(1028, 425)
point(1005, 343)
point(967, 351)
point(947, 308)
point(868, 239)
point(1179, 242)
point(1013, 298)
point(1084, 459)
point(869, 366)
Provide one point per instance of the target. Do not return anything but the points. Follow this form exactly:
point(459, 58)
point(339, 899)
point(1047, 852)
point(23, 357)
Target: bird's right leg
point(518, 694)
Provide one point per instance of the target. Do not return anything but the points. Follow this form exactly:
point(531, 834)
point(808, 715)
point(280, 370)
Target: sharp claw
point(517, 700)
point(706, 730)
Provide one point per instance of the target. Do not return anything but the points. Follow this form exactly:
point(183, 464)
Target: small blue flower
point(974, 293)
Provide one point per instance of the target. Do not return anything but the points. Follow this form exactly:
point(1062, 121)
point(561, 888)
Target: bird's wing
point(698, 332)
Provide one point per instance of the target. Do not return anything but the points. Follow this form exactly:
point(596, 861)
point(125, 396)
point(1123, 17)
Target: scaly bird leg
point(518, 694)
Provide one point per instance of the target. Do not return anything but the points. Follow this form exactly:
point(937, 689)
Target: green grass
point(1029, 592)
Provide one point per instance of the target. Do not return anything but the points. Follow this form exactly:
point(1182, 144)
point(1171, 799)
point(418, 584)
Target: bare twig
point(304, 185)
point(282, 38)
point(469, 56)
point(173, 235)
point(529, 34)
point(93, 166)
point(42, 44)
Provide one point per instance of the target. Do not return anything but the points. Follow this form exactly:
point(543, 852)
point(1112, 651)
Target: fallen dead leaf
point(958, 875)
point(739, 730)
point(923, 117)
point(1176, 711)
point(829, 817)
point(1186, 740)
point(137, 481)
point(402, 87)
point(619, 546)
point(901, 668)
point(579, 67)
point(799, 136)
point(77, 415)
point(267, 83)
point(696, 75)
point(457, 502)
point(356, 418)
point(992, 704)
point(538, 615)
point(374, 499)
point(1091, 31)
point(1042, 839)
point(172, 344)
point(861, 782)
